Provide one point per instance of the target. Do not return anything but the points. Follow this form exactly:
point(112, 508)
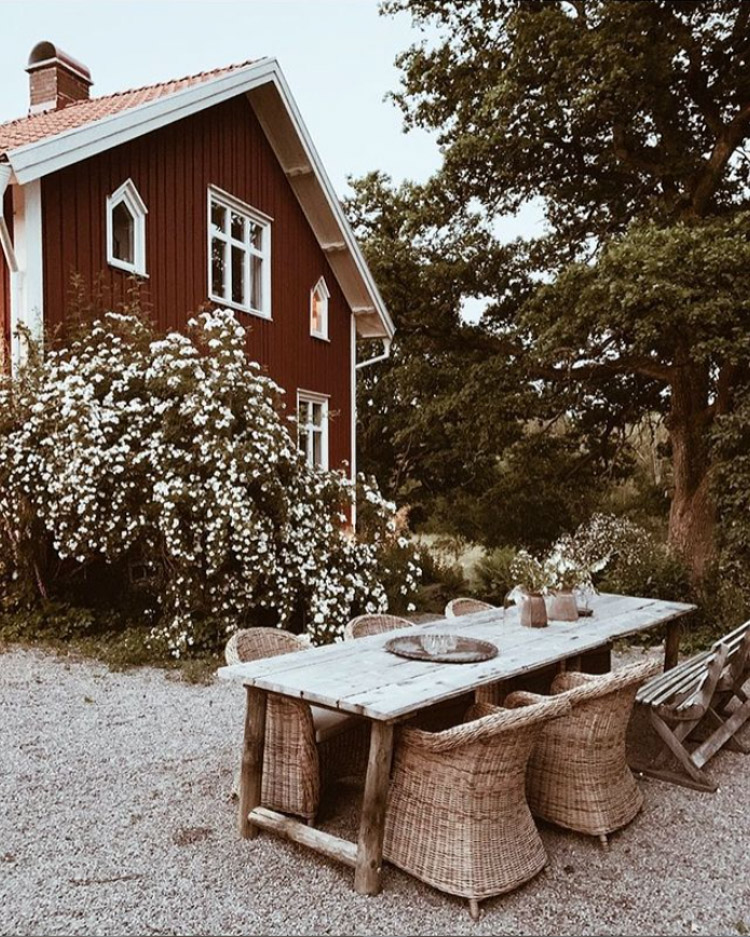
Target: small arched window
point(319, 310)
point(126, 229)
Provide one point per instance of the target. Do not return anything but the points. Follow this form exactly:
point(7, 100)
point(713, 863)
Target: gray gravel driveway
point(117, 820)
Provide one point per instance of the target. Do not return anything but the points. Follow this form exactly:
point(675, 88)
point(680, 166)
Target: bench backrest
point(681, 686)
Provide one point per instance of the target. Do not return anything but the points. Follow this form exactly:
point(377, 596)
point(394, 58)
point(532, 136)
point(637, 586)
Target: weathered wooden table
point(362, 678)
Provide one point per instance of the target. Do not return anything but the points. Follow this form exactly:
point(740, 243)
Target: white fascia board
point(333, 202)
point(35, 160)
point(34, 272)
point(6, 242)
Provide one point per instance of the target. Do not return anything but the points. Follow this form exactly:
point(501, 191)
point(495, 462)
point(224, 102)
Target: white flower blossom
point(177, 452)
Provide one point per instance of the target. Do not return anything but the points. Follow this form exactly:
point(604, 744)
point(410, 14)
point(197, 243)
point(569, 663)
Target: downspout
point(361, 364)
point(5, 239)
point(387, 342)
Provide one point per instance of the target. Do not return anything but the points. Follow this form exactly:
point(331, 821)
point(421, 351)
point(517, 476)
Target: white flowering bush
point(574, 560)
point(529, 574)
point(172, 455)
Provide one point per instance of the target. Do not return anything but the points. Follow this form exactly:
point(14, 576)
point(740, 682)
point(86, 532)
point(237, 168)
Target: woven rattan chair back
point(578, 775)
point(465, 606)
point(365, 625)
point(291, 762)
point(295, 765)
point(257, 643)
point(457, 815)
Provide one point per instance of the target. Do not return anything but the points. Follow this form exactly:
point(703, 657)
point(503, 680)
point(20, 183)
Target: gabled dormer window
point(319, 309)
point(126, 229)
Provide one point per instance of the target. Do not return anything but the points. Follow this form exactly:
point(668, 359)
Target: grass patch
point(79, 635)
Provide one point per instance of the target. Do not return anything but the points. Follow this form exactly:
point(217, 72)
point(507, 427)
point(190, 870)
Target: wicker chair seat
point(457, 816)
point(578, 776)
point(328, 724)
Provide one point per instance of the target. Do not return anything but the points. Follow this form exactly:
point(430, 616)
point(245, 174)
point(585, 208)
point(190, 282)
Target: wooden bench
point(698, 693)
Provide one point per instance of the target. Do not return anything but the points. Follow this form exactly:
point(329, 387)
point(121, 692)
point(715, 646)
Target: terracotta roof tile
point(37, 127)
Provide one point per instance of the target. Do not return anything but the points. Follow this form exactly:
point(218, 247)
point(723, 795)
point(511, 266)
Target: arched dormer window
point(319, 310)
point(126, 229)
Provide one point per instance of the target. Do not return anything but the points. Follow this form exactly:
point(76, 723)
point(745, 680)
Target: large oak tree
point(611, 113)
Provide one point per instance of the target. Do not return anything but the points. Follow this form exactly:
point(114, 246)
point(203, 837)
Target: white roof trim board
point(266, 88)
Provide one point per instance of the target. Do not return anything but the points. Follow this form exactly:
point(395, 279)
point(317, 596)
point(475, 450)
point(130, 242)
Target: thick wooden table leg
point(251, 772)
point(372, 822)
point(672, 643)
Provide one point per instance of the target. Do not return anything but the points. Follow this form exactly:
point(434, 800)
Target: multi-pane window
point(312, 428)
point(126, 229)
point(319, 309)
point(239, 255)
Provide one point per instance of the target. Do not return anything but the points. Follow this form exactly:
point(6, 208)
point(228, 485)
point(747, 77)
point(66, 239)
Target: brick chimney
point(55, 79)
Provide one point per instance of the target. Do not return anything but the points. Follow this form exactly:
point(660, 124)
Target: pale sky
point(336, 54)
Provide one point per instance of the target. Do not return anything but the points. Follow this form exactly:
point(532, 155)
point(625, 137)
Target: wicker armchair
point(457, 607)
point(457, 816)
point(305, 746)
point(578, 776)
point(365, 625)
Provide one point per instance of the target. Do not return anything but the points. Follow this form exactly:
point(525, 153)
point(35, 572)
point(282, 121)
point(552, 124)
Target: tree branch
point(625, 365)
point(728, 141)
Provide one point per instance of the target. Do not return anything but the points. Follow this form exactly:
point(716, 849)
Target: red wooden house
point(210, 190)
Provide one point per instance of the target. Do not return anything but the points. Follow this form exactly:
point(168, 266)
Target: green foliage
point(119, 642)
point(447, 424)
point(161, 472)
point(731, 486)
point(604, 109)
point(610, 116)
point(441, 582)
point(646, 566)
point(50, 620)
point(657, 297)
point(494, 577)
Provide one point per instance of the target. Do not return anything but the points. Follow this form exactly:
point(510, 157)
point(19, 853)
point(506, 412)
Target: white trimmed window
point(126, 229)
point(239, 255)
point(319, 310)
point(312, 427)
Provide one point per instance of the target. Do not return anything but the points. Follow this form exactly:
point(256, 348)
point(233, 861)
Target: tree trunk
point(692, 514)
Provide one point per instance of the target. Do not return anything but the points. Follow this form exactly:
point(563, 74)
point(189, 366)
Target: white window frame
point(310, 397)
point(128, 195)
point(321, 290)
point(231, 204)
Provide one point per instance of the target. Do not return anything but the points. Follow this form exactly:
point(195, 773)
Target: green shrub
point(493, 574)
point(647, 567)
point(164, 469)
point(441, 582)
point(731, 490)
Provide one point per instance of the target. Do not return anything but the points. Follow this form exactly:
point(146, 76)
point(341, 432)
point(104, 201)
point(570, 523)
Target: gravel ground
point(117, 820)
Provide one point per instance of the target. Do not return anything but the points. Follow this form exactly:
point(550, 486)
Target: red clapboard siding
point(5, 286)
point(172, 169)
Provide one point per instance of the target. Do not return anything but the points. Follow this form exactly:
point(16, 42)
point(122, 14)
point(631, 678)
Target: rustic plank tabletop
point(362, 678)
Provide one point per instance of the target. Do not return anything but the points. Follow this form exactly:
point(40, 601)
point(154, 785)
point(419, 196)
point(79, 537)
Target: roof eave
point(309, 181)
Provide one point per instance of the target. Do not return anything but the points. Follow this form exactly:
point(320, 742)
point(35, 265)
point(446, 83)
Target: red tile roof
point(37, 127)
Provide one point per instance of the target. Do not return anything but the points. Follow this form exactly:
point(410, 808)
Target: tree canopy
point(607, 110)
point(629, 121)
